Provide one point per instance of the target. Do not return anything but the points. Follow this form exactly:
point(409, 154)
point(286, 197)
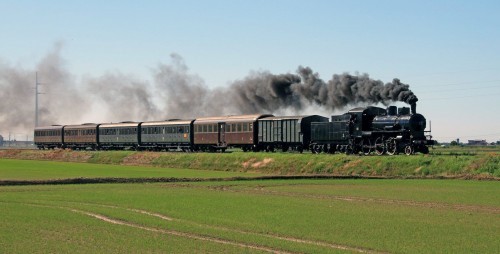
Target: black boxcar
point(331, 136)
point(287, 132)
point(168, 135)
point(49, 137)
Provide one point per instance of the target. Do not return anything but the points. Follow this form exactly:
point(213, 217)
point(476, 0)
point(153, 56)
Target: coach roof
point(168, 122)
point(116, 125)
point(52, 127)
point(224, 119)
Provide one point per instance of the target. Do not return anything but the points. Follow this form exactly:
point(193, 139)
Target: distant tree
point(453, 143)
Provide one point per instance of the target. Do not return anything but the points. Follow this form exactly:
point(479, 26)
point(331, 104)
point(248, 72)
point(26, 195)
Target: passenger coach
point(49, 137)
point(167, 135)
point(219, 133)
point(82, 136)
point(116, 136)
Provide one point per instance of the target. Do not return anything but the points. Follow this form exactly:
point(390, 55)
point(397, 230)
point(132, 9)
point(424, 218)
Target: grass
point(485, 163)
point(410, 216)
point(41, 170)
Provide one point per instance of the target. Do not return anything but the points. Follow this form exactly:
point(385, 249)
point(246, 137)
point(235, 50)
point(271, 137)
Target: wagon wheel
point(300, 149)
point(409, 150)
point(379, 146)
point(392, 146)
point(366, 146)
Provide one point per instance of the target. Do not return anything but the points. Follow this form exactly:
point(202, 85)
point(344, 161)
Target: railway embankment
point(465, 165)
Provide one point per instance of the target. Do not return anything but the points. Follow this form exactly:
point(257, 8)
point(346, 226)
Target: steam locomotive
point(373, 129)
point(360, 130)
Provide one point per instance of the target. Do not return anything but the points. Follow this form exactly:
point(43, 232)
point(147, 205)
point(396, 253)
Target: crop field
point(229, 216)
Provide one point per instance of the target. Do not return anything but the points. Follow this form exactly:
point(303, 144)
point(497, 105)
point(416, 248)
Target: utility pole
point(36, 98)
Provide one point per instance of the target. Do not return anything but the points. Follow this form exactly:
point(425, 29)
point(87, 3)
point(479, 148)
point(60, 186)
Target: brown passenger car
point(81, 136)
point(49, 137)
point(218, 133)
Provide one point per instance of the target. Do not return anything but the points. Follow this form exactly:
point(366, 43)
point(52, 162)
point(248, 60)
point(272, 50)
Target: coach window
point(210, 128)
point(187, 129)
point(251, 126)
point(245, 127)
point(181, 129)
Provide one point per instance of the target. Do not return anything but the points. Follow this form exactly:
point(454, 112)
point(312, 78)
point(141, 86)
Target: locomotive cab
point(362, 118)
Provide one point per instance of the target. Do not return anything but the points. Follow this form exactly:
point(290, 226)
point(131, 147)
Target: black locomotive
point(360, 130)
point(373, 129)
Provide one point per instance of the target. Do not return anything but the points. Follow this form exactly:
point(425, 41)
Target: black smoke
point(176, 93)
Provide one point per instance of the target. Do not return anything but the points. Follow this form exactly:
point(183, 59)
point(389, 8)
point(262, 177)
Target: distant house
point(477, 142)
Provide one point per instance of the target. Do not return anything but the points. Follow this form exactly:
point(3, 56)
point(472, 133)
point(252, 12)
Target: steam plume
point(176, 93)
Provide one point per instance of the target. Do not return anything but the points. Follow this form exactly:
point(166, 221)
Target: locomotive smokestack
point(413, 108)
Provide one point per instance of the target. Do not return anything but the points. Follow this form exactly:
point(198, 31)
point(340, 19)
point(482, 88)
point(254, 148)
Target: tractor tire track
point(273, 236)
point(198, 237)
point(177, 233)
point(431, 205)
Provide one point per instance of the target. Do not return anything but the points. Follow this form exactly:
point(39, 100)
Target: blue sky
point(448, 51)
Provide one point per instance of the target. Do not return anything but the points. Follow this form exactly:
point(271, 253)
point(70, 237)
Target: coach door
point(222, 134)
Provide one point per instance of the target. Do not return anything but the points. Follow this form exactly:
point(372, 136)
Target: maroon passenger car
point(219, 133)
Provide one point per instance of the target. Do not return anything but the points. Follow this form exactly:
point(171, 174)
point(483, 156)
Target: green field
point(11, 169)
point(455, 162)
point(290, 216)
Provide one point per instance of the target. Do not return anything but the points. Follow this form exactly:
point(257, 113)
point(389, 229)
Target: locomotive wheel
point(366, 146)
point(409, 150)
point(317, 149)
point(348, 149)
point(392, 146)
point(379, 146)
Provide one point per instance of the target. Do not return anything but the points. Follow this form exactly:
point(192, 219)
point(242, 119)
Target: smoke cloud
point(176, 93)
